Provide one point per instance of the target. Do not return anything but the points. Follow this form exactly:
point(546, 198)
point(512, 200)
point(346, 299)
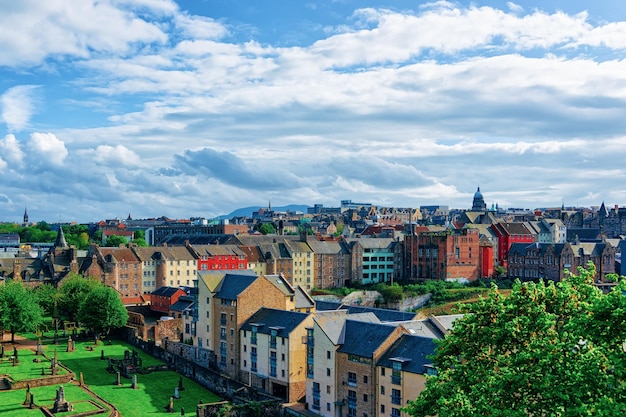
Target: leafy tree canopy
point(73, 290)
point(47, 297)
point(267, 229)
point(115, 240)
point(546, 350)
point(102, 310)
point(19, 309)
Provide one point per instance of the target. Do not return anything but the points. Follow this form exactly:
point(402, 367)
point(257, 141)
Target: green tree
point(545, 350)
point(102, 310)
point(47, 297)
point(115, 240)
point(19, 309)
point(73, 290)
point(267, 229)
point(139, 234)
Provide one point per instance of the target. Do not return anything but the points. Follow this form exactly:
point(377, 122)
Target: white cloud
point(34, 31)
point(10, 150)
point(17, 107)
point(47, 149)
point(116, 156)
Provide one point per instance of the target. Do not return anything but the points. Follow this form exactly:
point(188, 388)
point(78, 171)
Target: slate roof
point(234, 284)
point(183, 303)
point(384, 315)
point(363, 338)
point(165, 291)
point(412, 351)
point(270, 317)
point(206, 239)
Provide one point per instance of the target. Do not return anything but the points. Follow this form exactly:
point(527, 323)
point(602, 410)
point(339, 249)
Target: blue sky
point(196, 108)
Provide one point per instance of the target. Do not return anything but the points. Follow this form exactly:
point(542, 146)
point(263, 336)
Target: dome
point(478, 194)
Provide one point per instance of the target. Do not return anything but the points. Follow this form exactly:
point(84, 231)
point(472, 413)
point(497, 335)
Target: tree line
point(547, 349)
point(78, 235)
point(84, 300)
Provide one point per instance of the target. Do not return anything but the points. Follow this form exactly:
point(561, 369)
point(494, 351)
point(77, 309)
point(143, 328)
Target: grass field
point(151, 397)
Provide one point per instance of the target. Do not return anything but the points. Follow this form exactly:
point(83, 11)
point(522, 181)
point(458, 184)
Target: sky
point(194, 108)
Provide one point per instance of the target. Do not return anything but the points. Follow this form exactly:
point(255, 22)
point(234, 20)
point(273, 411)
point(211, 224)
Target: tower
point(25, 217)
point(479, 202)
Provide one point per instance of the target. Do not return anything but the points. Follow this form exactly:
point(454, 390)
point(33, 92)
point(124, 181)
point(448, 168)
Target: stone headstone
point(15, 356)
point(134, 384)
point(118, 380)
point(32, 400)
point(170, 407)
point(182, 411)
point(81, 382)
point(61, 405)
point(102, 354)
point(180, 384)
point(176, 393)
point(70, 344)
point(39, 349)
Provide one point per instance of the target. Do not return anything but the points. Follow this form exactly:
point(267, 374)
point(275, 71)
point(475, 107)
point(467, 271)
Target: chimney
point(17, 270)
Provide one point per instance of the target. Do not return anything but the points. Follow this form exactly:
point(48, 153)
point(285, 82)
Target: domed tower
point(479, 202)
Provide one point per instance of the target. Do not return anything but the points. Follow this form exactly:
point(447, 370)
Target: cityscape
point(200, 279)
point(354, 208)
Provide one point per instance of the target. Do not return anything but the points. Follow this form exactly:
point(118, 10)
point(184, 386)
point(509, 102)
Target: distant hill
point(247, 211)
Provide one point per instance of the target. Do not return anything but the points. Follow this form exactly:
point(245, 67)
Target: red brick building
point(219, 257)
point(447, 254)
point(163, 298)
point(508, 234)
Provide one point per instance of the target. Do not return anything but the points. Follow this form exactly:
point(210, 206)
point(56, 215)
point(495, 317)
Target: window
point(351, 379)
point(395, 396)
point(365, 398)
point(352, 403)
point(253, 359)
point(223, 333)
point(273, 364)
point(365, 379)
point(273, 338)
point(253, 335)
point(396, 373)
point(382, 371)
point(395, 412)
point(328, 354)
point(382, 390)
point(316, 396)
point(223, 353)
point(327, 371)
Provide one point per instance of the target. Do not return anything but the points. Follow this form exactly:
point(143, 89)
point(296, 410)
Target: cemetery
point(77, 376)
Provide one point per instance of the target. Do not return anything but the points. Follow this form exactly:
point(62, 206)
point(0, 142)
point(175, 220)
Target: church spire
point(25, 217)
point(60, 242)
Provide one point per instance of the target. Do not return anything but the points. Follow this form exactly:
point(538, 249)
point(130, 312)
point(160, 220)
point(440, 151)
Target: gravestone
point(118, 380)
point(81, 382)
point(39, 349)
point(27, 399)
point(61, 405)
point(176, 393)
point(180, 384)
point(102, 354)
point(134, 384)
point(70, 344)
point(170, 407)
point(16, 358)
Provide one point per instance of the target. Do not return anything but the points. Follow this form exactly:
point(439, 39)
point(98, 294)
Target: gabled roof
point(384, 315)
point(166, 291)
point(182, 304)
point(331, 323)
point(234, 284)
point(281, 320)
point(362, 338)
point(412, 351)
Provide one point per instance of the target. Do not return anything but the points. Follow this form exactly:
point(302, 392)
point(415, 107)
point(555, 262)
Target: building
point(509, 233)
point(162, 299)
point(401, 373)
point(373, 260)
point(272, 352)
point(225, 301)
point(447, 254)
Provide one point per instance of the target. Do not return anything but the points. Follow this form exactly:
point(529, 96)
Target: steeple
point(25, 217)
point(60, 242)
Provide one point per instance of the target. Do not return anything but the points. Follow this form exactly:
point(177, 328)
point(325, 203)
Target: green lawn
point(151, 397)
point(11, 401)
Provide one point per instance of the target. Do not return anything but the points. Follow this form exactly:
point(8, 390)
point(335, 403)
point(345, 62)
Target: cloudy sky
point(198, 107)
